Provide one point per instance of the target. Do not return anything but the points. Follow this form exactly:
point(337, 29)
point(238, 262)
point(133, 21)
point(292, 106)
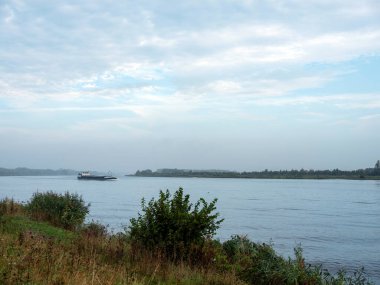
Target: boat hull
point(87, 176)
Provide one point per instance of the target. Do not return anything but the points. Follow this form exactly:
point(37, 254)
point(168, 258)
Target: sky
point(211, 84)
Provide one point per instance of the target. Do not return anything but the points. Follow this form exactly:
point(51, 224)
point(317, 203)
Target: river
point(337, 222)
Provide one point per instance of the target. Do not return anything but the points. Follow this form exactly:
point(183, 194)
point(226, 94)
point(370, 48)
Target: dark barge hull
point(95, 177)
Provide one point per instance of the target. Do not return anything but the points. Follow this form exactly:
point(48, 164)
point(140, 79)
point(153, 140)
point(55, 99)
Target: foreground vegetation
point(170, 242)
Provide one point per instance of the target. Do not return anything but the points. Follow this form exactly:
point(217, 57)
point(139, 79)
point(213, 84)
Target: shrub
point(94, 229)
point(239, 251)
point(171, 224)
point(63, 210)
point(10, 207)
point(259, 264)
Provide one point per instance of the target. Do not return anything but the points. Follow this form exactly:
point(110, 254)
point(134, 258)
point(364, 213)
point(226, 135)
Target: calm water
point(337, 222)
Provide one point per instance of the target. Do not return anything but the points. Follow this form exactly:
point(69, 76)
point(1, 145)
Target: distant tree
point(146, 172)
point(377, 165)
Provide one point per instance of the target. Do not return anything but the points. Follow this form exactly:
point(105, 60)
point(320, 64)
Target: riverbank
point(37, 252)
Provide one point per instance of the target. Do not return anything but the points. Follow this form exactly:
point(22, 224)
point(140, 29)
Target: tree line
point(368, 173)
point(23, 171)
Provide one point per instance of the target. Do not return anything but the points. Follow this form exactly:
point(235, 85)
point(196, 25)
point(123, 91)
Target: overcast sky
point(238, 85)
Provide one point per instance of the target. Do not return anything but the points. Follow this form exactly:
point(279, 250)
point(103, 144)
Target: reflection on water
point(336, 221)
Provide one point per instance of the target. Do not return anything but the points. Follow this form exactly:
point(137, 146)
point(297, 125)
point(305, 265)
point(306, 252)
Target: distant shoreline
point(360, 174)
point(274, 178)
point(23, 171)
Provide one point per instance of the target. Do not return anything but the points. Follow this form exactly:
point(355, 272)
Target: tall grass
point(10, 207)
point(37, 259)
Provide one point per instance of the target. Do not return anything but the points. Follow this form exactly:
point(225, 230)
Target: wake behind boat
point(86, 175)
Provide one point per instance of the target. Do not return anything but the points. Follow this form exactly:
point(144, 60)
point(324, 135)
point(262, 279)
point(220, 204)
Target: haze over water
point(336, 221)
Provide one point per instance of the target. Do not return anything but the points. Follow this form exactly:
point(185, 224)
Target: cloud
point(8, 15)
point(371, 102)
point(375, 117)
point(341, 101)
point(168, 67)
point(138, 40)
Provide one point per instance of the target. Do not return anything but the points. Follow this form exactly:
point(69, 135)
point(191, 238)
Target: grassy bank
point(33, 251)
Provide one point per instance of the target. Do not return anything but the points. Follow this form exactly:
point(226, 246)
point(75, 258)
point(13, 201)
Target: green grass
point(15, 225)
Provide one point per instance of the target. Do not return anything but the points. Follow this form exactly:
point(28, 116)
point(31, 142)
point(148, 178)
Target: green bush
point(257, 264)
point(173, 225)
point(62, 210)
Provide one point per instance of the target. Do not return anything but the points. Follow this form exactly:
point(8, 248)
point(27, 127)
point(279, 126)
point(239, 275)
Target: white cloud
point(371, 117)
point(8, 15)
point(297, 49)
point(160, 68)
point(97, 45)
point(342, 101)
point(360, 103)
point(222, 87)
point(337, 47)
